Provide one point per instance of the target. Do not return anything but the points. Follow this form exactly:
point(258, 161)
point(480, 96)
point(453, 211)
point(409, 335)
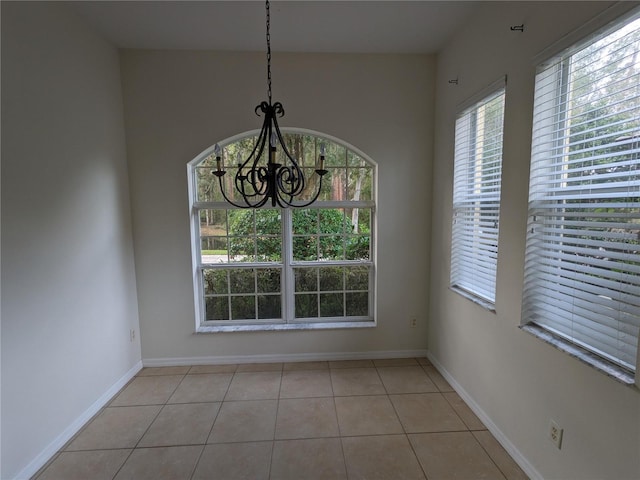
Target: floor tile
point(499, 455)
point(464, 412)
point(356, 381)
point(166, 463)
point(385, 457)
point(366, 415)
point(453, 455)
point(259, 367)
point(149, 371)
point(115, 427)
point(306, 366)
point(395, 362)
point(254, 386)
point(397, 419)
point(210, 387)
point(350, 363)
point(426, 412)
point(151, 390)
point(406, 380)
point(197, 369)
point(306, 418)
point(235, 461)
point(438, 379)
point(313, 459)
point(181, 424)
point(306, 383)
point(245, 421)
point(93, 464)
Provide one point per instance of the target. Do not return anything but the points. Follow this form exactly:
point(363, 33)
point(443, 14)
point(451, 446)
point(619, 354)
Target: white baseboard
point(41, 460)
point(520, 459)
point(278, 358)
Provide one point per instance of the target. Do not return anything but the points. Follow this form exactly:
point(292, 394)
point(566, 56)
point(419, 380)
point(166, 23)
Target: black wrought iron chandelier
point(260, 178)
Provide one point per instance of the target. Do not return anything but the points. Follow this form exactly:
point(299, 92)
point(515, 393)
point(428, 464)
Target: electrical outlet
point(132, 335)
point(413, 323)
point(555, 434)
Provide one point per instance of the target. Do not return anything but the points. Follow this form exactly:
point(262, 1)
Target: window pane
point(305, 221)
point(213, 239)
point(215, 282)
point(358, 247)
point(242, 249)
point(335, 155)
point(242, 280)
point(360, 184)
point(217, 308)
point(331, 278)
point(268, 280)
point(334, 185)
point(269, 249)
point(331, 220)
point(305, 248)
point(268, 222)
point(306, 279)
point(243, 308)
point(357, 304)
point(306, 305)
point(356, 278)
point(208, 189)
point(331, 304)
point(332, 247)
point(312, 183)
point(269, 306)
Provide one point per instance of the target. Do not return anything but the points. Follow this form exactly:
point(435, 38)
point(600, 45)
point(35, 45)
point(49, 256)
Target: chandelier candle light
point(261, 179)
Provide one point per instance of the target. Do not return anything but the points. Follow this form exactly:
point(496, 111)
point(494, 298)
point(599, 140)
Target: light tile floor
point(364, 419)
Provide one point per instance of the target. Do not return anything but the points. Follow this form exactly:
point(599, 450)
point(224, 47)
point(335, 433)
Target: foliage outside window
point(582, 272)
point(279, 266)
point(476, 196)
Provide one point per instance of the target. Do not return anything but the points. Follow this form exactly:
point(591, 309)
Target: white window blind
point(476, 196)
point(582, 268)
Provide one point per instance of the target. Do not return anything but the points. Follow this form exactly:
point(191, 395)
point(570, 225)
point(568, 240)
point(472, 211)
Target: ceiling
point(296, 26)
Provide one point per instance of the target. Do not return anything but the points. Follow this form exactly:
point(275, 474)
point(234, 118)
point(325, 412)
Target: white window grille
point(275, 266)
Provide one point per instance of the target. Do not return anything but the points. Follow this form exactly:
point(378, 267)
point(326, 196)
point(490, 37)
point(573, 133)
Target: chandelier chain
point(260, 179)
point(268, 52)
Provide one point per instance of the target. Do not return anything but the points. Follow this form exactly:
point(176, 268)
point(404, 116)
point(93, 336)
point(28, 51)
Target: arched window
point(276, 268)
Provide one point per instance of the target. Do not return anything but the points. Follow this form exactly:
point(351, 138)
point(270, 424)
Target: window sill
point(610, 369)
point(271, 327)
point(486, 304)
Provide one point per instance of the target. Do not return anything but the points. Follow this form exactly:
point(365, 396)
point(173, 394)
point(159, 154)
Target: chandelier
point(260, 179)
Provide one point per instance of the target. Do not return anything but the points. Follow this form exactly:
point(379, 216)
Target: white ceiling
point(296, 26)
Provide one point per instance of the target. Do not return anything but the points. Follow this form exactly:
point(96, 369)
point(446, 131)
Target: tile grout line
point(152, 421)
point(340, 436)
point(404, 430)
point(206, 441)
point(275, 422)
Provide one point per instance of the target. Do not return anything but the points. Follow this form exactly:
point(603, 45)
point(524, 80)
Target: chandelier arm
point(228, 200)
point(290, 181)
point(302, 205)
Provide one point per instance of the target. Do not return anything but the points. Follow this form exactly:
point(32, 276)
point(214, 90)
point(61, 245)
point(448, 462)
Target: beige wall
point(518, 381)
point(68, 283)
point(177, 103)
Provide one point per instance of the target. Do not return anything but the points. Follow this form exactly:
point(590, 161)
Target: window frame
point(558, 86)
point(287, 263)
point(467, 157)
